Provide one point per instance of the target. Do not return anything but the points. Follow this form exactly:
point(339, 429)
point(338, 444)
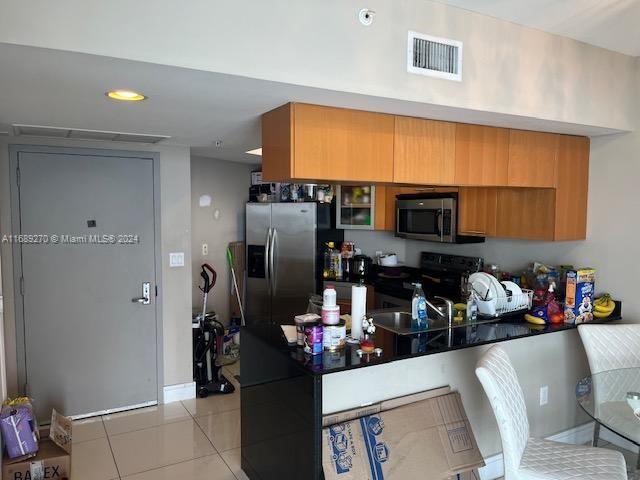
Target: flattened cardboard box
point(53, 460)
point(429, 438)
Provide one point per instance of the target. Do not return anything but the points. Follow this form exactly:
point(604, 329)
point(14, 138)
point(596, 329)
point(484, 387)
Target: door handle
point(267, 250)
point(145, 299)
point(274, 273)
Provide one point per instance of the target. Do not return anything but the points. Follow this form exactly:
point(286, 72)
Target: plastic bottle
point(330, 309)
point(419, 305)
point(472, 309)
point(326, 256)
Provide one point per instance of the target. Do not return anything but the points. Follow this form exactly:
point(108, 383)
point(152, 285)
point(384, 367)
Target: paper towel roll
point(358, 309)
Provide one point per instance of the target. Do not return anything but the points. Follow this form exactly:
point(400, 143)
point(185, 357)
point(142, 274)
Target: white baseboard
point(494, 465)
point(182, 391)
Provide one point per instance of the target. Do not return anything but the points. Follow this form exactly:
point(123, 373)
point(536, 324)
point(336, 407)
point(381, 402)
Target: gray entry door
point(294, 259)
point(87, 346)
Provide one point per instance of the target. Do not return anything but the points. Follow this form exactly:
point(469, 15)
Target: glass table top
point(612, 398)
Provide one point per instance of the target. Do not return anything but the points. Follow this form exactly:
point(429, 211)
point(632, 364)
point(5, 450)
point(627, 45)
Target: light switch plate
point(176, 259)
point(544, 395)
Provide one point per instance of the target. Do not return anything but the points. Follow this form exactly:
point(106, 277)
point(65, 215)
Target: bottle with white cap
point(330, 308)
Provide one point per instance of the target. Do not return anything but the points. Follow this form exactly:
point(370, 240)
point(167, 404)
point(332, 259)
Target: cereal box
point(580, 295)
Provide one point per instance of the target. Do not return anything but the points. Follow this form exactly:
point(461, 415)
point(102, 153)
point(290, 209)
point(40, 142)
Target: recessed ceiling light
point(256, 151)
point(125, 95)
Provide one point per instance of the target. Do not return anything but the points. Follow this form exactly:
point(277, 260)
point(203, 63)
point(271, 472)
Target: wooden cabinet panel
point(277, 144)
point(526, 213)
point(477, 211)
point(337, 144)
point(572, 188)
point(424, 151)
point(482, 155)
point(532, 159)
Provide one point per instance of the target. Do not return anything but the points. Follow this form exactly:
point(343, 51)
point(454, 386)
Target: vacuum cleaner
point(208, 338)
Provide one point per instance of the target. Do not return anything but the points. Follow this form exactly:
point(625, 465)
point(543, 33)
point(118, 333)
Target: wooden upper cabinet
point(424, 151)
point(312, 142)
point(482, 155)
point(477, 211)
point(527, 213)
point(532, 159)
point(572, 188)
point(340, 144)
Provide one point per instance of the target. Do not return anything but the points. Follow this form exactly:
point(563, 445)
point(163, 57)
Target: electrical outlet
point(205, 249)
point(544, 395)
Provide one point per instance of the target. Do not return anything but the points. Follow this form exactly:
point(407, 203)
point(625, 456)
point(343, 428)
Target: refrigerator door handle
point(273, 271)
point(267, 250)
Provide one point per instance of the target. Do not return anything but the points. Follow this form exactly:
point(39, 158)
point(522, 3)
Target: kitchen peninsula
point(286, 393)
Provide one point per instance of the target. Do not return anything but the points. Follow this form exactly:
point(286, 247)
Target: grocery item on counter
point(334, 337)
point(358, 309)
point(301, 321)
point(535, 319)
point(554, 309)
point(367, 345)
point(603, 306)
point(579, 296)
point(313, 341)
point(330, 309)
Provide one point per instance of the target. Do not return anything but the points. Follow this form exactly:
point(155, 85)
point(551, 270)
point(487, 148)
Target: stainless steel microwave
point(431, 217)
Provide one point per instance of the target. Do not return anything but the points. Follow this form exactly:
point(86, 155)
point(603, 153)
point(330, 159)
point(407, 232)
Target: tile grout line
point(185, 419)
point(229, 466)
point(113, 455)
point(172, 464)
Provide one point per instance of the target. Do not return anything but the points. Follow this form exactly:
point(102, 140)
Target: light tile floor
point(194, 439)
point(189, 440)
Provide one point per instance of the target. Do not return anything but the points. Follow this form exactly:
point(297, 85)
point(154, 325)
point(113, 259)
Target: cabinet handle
point(474, 232)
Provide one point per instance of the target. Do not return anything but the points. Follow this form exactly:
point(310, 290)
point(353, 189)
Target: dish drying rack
point(505, 306)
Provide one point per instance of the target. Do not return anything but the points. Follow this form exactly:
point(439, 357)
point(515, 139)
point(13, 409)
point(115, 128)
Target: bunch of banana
point(603, 306)
point(534, 319)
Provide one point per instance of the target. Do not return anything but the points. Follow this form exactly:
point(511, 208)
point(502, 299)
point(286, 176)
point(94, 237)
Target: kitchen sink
point(397, 321)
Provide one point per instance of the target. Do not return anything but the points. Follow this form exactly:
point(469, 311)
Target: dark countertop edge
point(287, 350)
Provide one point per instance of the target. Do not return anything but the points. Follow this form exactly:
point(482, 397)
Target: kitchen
point(532, 135)
point(481, 182)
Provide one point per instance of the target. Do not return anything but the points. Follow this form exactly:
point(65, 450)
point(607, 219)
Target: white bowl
point(389, 260)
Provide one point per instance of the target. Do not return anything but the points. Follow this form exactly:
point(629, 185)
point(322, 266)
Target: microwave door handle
point(439, 222)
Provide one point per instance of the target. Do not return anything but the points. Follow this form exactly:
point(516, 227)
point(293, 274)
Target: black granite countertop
point(399, 347)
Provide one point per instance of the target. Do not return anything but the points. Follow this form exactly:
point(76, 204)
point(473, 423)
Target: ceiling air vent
point(82, 134)
point(434, 56)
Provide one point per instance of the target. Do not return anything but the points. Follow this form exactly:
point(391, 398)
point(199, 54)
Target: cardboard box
point(428, 438)
point(580, 292)
point(53, 460)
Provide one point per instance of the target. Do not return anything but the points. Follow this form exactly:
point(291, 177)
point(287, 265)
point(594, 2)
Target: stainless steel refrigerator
point(283, 261)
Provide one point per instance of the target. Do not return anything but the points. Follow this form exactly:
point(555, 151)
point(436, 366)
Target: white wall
point(507, 68)
point(227, 184)
point(175, 231)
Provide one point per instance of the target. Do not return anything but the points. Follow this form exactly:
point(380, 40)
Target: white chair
point(528, 458)
point(611, 347)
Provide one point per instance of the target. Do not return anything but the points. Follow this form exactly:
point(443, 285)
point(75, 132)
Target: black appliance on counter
point(440, 274)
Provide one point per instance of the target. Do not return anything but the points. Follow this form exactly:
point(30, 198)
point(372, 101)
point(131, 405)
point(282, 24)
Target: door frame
point(16, 250)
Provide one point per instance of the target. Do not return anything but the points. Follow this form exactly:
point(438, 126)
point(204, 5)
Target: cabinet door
point(572, 189)
point(477, 211)
point(355, 206)
point(424, 151)
point(526, 213)
point(482, 155)
point(532, 159)
point(337, 144)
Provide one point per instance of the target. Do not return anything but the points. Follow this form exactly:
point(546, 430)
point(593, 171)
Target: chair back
point(500, 383)
point(610, 347)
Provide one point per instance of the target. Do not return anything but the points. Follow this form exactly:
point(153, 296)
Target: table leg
point(596, 434)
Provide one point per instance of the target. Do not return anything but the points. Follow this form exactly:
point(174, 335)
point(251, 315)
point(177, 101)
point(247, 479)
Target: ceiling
point(195, 108)
point(610, 24)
